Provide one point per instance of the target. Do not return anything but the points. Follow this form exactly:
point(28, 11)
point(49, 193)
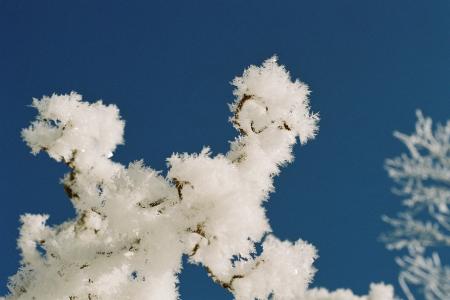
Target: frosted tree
point(133, 225)
point(423, 229)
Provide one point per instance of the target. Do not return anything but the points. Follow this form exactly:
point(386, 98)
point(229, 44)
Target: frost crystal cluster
point(423, 229)
point(133, 225)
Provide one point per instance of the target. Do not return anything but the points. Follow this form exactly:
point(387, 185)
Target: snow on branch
point(423, 229)
point(376, 292)
point(133, 225)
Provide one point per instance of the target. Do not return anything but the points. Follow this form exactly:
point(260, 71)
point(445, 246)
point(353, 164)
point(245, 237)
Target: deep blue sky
point(167, 65)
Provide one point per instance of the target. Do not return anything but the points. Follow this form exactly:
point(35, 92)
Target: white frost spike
point(133, 225)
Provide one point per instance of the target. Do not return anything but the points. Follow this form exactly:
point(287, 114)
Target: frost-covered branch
point(427, 272)
point(423, 178)
point(133, 225)
point(376, 292)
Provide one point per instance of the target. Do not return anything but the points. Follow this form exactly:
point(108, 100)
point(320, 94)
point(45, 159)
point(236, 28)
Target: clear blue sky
point(167, 65)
